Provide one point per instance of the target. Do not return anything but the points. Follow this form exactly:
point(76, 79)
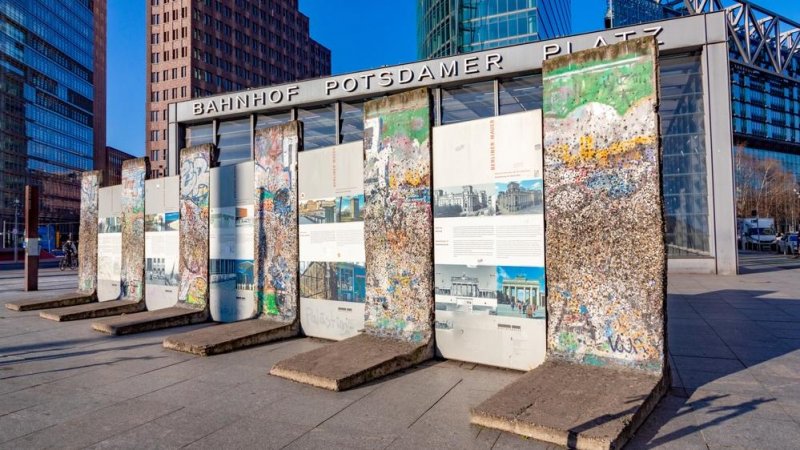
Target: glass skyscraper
point(765, 109)
point(52, 92)
point(448, 27)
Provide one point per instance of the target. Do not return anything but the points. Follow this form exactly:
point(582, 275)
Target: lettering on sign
point(397, 77)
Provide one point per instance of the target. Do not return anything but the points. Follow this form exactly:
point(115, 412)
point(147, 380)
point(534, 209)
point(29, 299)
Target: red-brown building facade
point(203, 47)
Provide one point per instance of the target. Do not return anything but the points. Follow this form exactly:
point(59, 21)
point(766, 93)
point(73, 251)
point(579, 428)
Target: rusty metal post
point(31, 238)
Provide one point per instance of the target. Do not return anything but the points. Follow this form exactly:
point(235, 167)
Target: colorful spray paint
point(397, 217)
point(87, 257)
point(605, 255)
point(134, 174)
point(276, 243)
point(194, 198)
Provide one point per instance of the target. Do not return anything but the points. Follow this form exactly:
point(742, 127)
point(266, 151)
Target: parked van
point(758, 233)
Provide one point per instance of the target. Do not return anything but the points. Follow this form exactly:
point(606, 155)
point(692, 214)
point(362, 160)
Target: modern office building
point(198, 48)
point(52, 94)
point(449, 27)
point(113, 164)
point(694, 109)
point(765, 100)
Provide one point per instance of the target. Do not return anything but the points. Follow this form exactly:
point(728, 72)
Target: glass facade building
point(765, 116)
point(52, 92)
point(449, 27)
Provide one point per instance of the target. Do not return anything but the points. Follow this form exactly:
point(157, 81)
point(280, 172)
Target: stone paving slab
point(150, 320)
point(103, 392)
point(53, 301)
point(93, 310)
point(351, 362)
point(573, 405)
point(228, 337)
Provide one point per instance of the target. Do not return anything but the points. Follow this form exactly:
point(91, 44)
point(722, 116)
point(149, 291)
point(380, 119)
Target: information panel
point(109, 243)
point(332, 273)
point(231, 243)
point(161, 224)
point(489, 241)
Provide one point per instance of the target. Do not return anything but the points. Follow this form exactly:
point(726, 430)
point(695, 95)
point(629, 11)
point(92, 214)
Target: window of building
point(520, 94)
point(685, 171)
point(272, 119)
point(199, 134)
point(154, 155)
point(468, 102)
point(183, 91)
point(174, 73)
point(319, 126)
point(234, 141)
point(352, 121)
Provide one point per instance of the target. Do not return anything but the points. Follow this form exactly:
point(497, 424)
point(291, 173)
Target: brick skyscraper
point(202, 47)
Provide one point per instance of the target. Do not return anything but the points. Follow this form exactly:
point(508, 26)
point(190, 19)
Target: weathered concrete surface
point(353, 361)
point(58, 301)
point(93, 310)
point(573, 405)
point(150, 320)
point(223, 338)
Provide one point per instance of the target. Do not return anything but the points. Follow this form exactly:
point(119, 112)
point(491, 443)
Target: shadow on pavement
point(731, 353)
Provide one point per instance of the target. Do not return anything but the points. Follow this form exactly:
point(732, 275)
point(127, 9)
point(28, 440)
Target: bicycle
point(73, 265)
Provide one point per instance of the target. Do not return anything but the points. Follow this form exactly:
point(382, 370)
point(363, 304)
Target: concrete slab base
point(175, 316)
point(353, 361)
point(227, 337)
point(572, 405)
point(93, 310)
point(59, 301)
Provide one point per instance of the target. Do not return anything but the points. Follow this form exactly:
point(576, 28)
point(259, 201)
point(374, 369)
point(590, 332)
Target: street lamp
point(16, 221)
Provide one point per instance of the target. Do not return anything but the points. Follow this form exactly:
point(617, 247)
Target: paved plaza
point(735, 345)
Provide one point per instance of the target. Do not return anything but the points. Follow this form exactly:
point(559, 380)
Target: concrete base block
point(223, 338)
point(572, 405)
point(59, 301)
point(353, 361)
point(175, 316)
point(93, 310)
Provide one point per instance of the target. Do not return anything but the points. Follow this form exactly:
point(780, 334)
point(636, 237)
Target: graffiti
point(193, 229)
point(90, 193)
point(602, 182)
point(134, 174)
point(398, 217)
point(622, 344)
point(276, 245)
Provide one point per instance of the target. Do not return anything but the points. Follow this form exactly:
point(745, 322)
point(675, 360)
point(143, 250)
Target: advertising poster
point(489, 241)
point(109, 244)
point(161, 224)
point(231, 243)
point(331, 216)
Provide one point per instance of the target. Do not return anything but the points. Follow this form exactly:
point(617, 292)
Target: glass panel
point(199, 134)
point(352, 122)
point(319, 126)
point(234, 141)
point(684, 157)
point(468, 102)
point(521, 94)
point(272, 119)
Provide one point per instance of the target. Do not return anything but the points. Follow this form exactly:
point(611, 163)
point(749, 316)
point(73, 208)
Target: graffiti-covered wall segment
point(605, 255)
point(276, 249)
point(134, 174)
point(196, 165)
point(397, 216)
point(87, 257)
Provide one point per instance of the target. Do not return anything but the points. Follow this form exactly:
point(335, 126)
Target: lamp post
point(16, 222)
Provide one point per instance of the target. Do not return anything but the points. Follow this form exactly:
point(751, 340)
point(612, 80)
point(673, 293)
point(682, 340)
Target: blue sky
point(361, 34)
